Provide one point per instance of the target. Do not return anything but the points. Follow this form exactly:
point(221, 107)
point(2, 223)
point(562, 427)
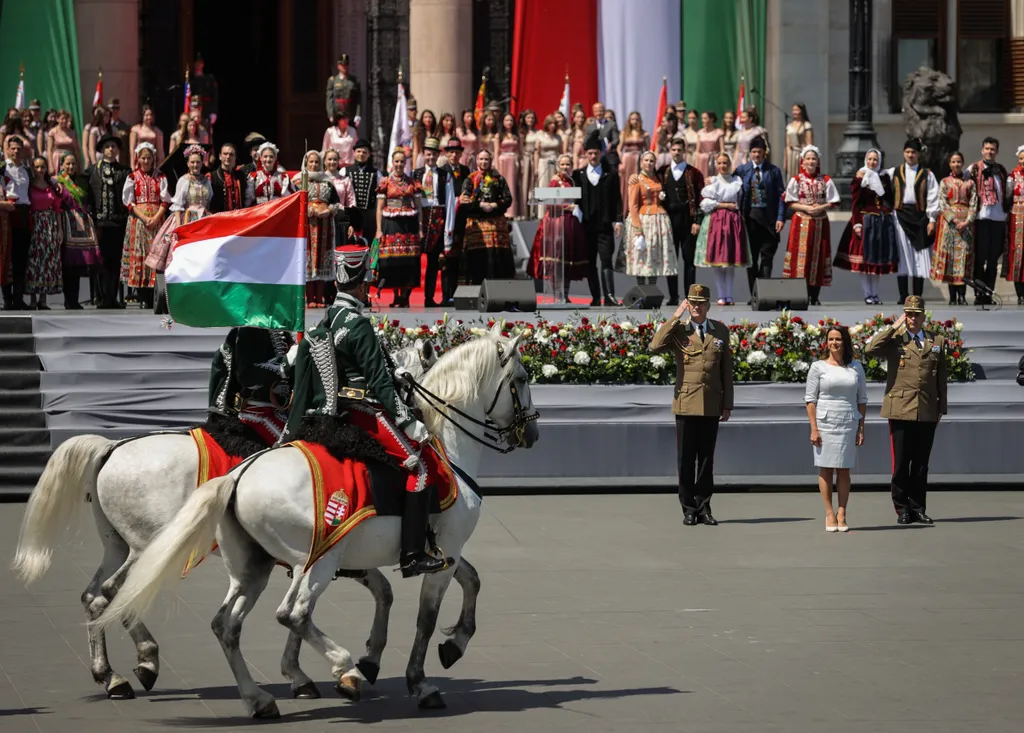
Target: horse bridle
point(516, 429)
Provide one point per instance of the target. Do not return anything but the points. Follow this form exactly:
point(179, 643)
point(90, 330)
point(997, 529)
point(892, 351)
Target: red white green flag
point(242, 268)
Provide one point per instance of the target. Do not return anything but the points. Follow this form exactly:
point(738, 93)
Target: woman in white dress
point(836, 398)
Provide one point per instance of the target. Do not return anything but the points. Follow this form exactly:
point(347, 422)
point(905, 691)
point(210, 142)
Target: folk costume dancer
point(147, 198)
point(342, 376)
point(268, 181)
point(810, 195)
point(682, 184)
point(438, 215)
point(249, 382)
point(916, 202)
point(107, 180)
point(995, 199)
point(457, 173)
point(322, 208)
point(601, 205)
point(914, 402)
point(704, 396)
point(763, 208)
point(1014, 269)
point(365, 179)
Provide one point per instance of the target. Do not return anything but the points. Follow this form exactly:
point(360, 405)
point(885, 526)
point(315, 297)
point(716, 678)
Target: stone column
point(440, 54)
point(1017, 53)
point(859, 135)
point(108, 37)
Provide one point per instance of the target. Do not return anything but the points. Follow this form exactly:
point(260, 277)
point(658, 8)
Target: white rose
point(958, 326)
point(581, 357)
point(607, 330)
point(756, 357)
point(734, 340)
point(563, 332)
point(527, 333)
point(627, 326)
point(435, 329)
point(773, 330)
point(800, 366)
point(813, 331)
point(549, 370)
point(478, 331)
point(658, 362)
point(855, 329)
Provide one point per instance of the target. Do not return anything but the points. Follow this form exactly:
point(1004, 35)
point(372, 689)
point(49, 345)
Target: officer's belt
point(352, 393)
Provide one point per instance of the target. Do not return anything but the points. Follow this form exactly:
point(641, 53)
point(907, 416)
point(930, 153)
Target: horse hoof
point(348, 687)
point(146, 676)
point(369, 670)
point(449, 653)
point(121, 691)
point(307, 691)
point(433, 701)
point(267, 712)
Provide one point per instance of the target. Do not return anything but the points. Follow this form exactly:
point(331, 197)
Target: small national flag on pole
point(188, 94)
point(563, 103)
point(478, 108)
point(242, 268)
point(401, 134)
point(662, 107)
point(740, 102)
point(97, 97)
point(19, 98)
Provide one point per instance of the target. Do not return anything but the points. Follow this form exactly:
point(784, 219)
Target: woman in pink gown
point(147, 132)
point(632, 144)
point(506, 149)
point(469, 137)
point(342, 139)
point(709, 143)
point(60, 140)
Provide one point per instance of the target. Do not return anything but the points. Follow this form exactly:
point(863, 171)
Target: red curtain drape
point(551, 38)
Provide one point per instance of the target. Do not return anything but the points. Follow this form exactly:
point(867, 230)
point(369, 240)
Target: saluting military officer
point(915, 400)
point(343, 94)
point(703, 396)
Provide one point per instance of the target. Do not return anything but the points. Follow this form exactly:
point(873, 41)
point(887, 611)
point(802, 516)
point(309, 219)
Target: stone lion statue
point(930, 115)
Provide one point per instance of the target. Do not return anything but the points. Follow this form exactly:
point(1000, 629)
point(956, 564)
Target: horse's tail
point(163, 561)
point(59, 495)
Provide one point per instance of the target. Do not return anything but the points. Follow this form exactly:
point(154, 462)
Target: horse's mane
point(458, 375)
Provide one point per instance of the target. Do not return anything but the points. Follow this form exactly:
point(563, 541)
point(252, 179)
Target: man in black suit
point(602, 217)
point(225, 182)
point(682, 185)
point(453, 239)
point(106, 183)
point(608, 133)
point(438, 215)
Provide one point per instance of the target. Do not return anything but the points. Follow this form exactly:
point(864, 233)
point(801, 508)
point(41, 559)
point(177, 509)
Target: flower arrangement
point(615, 350)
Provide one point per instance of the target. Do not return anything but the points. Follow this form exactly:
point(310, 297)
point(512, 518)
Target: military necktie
point(917, 341)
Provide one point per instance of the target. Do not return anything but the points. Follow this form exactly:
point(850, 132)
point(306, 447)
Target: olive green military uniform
point(703, 392)
point(915, 398)
point(343, 95)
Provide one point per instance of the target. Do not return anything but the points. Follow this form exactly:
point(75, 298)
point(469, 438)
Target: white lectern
point(553, 240)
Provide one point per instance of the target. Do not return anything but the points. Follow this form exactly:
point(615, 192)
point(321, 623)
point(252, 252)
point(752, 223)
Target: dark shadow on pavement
point(7, 712)
point(886, 527)
point(766, 520)
point(389, 700)
point(968, 520)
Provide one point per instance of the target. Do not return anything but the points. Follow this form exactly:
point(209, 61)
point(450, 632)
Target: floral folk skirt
point(320, 249)
point(874, 251)
point(398, 263)
point(137, 242)
point(1014, 269)
point(953, 258)
point(659, 256)
point(44, 274)
point(486, 251)
point(809, 251)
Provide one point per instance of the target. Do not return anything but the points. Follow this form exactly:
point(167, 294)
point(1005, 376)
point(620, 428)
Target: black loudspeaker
point(507, 295)
point(644, 297)
point(772, 294)
point(466, 297)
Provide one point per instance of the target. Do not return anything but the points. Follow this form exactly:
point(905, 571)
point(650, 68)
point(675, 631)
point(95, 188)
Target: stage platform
point(121, 373)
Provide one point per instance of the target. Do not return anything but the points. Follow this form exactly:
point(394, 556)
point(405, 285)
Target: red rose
point(821, 323)
point(554, 353)
point(394, 324)
point(744, 343)
point(780, 351)
point(584, 321)
point(505, 334)
point(956, 354)
point(797, 319)
point(490, 323)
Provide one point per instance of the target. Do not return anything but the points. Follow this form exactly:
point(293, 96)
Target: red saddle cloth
point(214, 462)
point(343, 494)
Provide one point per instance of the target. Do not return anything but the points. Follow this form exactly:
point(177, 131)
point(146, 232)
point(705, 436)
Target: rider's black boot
point(415, 515)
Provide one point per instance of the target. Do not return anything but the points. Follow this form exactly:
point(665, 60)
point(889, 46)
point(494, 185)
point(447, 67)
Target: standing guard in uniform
point(343, 94)
point(204, 91)
point(914, 402)
point(365, 179)
point(703, 396)
point(344, 379)
point(248, 383)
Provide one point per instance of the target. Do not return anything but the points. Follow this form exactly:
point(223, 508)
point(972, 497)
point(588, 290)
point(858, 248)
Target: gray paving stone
point(599, 614)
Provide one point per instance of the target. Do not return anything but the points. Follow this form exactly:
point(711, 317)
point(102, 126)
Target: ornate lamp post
point(859, 135)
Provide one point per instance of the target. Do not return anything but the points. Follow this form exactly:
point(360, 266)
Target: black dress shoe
point(690, 520)
point(922, 518)
point(905, 517)
point(709, 520)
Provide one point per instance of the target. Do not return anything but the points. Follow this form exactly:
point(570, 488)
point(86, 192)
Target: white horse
point(137, 486)
point(475, 394)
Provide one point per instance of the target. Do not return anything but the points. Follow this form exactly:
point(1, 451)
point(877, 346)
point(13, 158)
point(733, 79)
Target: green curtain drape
point(723, 40)
point(41, 35)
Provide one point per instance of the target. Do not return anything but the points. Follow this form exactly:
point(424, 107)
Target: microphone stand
point(985, 291)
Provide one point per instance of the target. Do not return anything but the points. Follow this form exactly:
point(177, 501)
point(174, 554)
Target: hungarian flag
point(97, 97)
point(242, 268)
point(188, 95)
point(478, 108)
point(739, 103)
point(662, 106)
